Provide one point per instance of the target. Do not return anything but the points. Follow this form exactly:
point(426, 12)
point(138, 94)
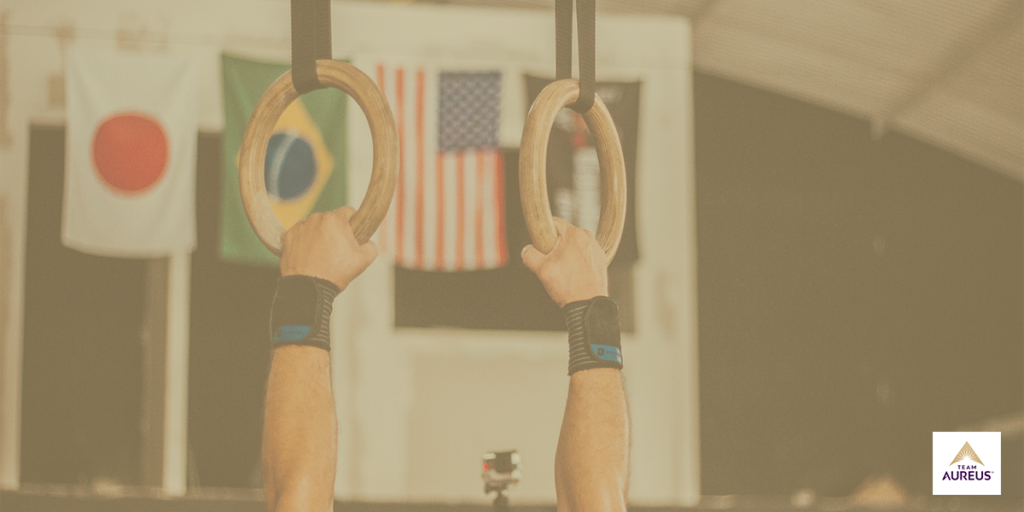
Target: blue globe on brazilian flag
point(298, 165)
point(304, 169)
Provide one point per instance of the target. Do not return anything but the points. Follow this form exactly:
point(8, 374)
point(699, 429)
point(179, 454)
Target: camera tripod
point(501, 498)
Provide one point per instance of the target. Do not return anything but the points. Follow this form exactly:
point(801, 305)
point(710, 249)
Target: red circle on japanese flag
point(129, 152)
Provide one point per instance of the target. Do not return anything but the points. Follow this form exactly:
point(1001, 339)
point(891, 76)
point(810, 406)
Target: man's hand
point(324, 246)
point(575, 269)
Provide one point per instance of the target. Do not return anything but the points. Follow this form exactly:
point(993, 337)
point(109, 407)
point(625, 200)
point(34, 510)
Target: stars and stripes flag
point(448, 213)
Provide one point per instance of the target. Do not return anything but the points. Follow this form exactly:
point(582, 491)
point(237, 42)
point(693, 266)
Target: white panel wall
point(418, 408)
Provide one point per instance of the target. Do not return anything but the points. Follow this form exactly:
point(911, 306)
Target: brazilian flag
point(305, 164)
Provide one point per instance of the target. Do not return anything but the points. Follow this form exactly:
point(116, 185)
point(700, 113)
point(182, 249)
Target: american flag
point(449, 207)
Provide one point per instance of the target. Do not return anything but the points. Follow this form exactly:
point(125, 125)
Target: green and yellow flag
point(305, 163)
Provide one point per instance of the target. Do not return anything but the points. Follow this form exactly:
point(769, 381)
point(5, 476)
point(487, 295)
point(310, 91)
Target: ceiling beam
point(963, 55)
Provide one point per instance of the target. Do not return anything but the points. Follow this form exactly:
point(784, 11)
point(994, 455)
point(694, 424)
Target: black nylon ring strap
point(586, 14)
point(311, 40)
point(563, 39)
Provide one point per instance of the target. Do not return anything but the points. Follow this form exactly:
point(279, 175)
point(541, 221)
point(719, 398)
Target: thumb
point(532, 258)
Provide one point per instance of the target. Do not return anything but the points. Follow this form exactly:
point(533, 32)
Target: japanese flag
point(132, 121)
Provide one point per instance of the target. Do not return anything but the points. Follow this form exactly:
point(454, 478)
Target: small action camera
point(501, 471)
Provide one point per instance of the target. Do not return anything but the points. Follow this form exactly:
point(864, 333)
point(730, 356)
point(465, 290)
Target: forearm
point(300, 431)
point(320, 256)
point(592, 458)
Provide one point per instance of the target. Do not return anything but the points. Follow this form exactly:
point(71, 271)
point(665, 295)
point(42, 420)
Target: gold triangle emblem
point(967, 453)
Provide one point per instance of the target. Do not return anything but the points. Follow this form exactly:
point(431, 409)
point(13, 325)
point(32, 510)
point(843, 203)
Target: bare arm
point(592, 458)
point(300, 431)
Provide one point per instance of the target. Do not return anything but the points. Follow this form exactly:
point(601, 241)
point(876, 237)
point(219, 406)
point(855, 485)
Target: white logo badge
point(976, 466)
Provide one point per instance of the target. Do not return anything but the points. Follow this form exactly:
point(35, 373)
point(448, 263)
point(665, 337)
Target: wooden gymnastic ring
point(533, 150)
point(383, 132)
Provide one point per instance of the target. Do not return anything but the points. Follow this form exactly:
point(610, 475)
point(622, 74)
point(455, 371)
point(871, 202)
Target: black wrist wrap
point(301, 314)
point(594, 339)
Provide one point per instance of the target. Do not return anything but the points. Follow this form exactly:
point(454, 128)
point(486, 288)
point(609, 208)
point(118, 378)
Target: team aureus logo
point(967, 469)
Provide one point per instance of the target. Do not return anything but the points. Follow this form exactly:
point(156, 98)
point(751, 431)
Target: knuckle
point(342, 216)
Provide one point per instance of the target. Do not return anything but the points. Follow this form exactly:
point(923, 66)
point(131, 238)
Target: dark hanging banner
point(574, 178)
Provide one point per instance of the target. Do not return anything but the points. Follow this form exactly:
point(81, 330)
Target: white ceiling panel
point(782, 66)
point(950, 72)
point(995, 79)
point(968, 129)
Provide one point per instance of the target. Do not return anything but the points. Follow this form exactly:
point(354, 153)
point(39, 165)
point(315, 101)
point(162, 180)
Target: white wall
point(417, 407)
